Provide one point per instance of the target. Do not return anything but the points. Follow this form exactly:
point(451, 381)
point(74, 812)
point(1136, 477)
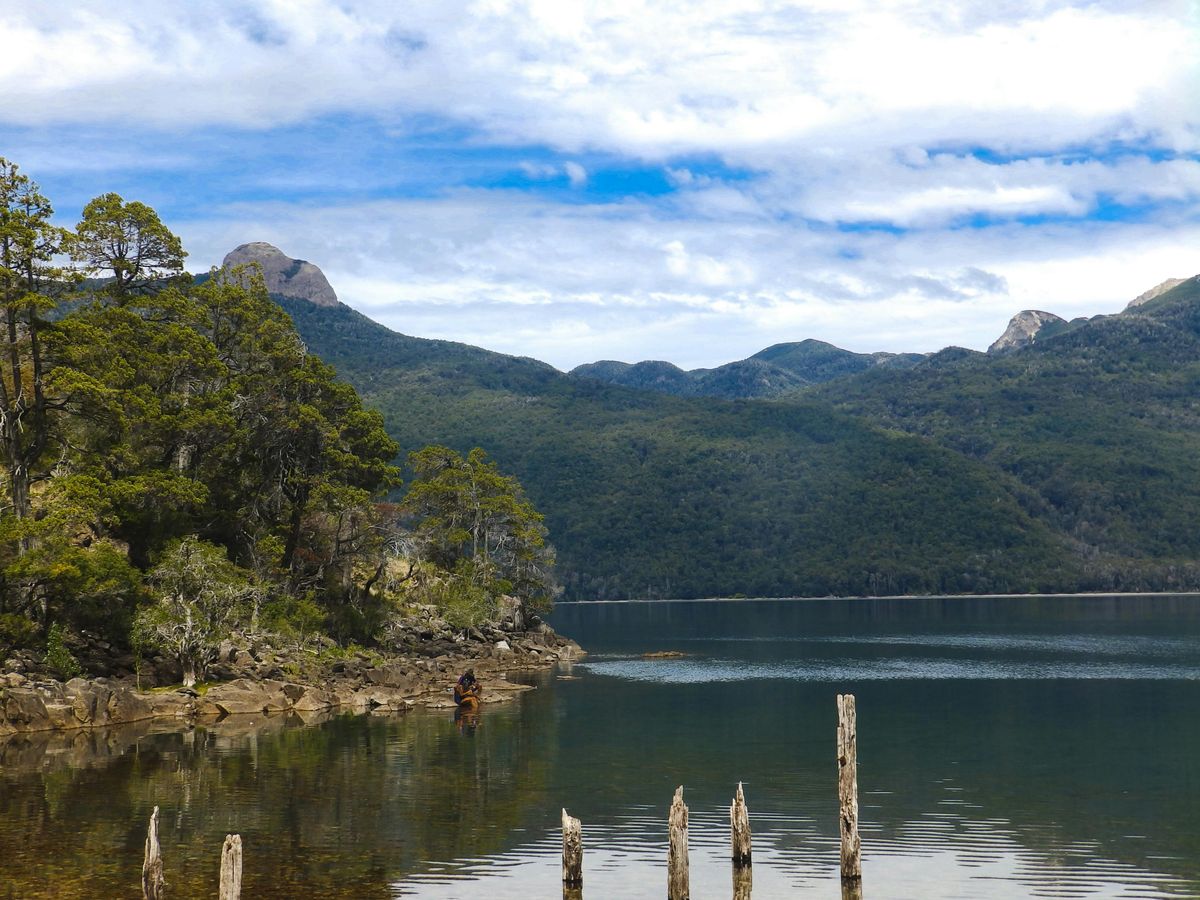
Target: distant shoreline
point(1092, 594)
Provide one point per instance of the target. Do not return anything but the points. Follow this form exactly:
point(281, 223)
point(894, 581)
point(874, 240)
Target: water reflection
point(1012, 750)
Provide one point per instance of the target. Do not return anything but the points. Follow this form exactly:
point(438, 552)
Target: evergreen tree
point(128, 243)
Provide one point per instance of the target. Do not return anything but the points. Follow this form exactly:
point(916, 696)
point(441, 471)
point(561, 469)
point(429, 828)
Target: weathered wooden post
point(231, 868)
point(152, 865)
point(852, 889)
point(739, 830)
point(847, 750)
point(572, 858)
point(677, 853)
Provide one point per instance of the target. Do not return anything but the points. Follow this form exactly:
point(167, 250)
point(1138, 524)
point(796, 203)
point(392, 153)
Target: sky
point(690, 181)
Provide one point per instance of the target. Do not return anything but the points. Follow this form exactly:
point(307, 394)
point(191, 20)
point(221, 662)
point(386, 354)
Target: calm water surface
point(1007, 748)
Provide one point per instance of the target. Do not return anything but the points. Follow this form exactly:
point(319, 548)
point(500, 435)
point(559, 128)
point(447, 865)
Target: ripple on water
point(694, 670)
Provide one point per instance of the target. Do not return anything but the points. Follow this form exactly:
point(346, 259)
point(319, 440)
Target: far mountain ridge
point(776, 371)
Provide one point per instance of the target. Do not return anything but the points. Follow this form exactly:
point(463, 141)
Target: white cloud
point(576, 173)
point(637, 76)
point(918, 116)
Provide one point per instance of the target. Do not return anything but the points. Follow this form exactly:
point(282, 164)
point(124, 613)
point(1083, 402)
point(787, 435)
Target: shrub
point(59, 659)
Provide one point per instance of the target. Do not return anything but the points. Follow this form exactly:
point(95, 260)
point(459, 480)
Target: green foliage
point(59, 659)
point(296, 618)
point(199, 598)
point(126, 242)
point(476, 523)
point(17, 632)
point(464, 596)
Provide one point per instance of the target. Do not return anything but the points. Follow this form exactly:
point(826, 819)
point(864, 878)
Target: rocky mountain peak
point(1023, 330)
point(284, 275)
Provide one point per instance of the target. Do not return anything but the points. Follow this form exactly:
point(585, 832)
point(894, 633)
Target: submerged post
point(152, 865)
point(677, 853)
point(572, 858)
point(231, 868)
point(739, 830)
point(847, 751)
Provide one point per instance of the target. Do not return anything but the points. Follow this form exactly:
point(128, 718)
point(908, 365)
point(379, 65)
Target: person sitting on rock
point(468, 691)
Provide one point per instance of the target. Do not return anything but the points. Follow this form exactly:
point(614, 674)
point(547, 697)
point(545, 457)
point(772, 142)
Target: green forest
point(176, 464)
point(1070, 465)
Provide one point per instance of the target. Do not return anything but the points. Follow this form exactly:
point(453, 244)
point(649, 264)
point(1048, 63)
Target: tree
point(302, 436)
point(128, 242)
point(200, 598)
point(474, 521)
point(28, 246)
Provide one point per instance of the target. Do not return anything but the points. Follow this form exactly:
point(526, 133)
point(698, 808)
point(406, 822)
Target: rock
point(22, 709)
point(284, 275)
point(1157, 291)
point(503, 647)
point(315, 700)
point(392, 675)
point(293, 692)
point(245, 696)
point(1023, 330)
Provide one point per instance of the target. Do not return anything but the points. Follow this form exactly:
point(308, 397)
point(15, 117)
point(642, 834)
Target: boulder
point(244, 696)
point(23, 709)
point(391, 675)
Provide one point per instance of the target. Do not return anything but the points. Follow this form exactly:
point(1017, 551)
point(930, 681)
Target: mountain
point(1157, 291)
point(1069, 463)
point(1100, 420)
point(651, 375)
point(774, 372)
point(284, 276)
point(1026, 327)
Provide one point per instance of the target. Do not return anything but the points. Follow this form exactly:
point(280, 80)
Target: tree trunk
point(189, 671)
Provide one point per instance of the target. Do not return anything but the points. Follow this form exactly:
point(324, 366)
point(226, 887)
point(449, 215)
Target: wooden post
point(677, 853)
point(152, 865)
point(847, 751)
point(739, 830)
point(231, 868)
point(572, 859)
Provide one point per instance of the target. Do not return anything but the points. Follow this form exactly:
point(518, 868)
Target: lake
point(1031, 747)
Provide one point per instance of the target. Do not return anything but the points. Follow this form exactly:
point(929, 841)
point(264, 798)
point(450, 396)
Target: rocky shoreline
point(423, 658)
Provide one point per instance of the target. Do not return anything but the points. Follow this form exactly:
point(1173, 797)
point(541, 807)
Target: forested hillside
point(652, 495)
point(1100, 420)
point(774, 372)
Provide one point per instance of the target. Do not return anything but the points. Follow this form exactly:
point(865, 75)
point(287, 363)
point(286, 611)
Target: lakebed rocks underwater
point(255, 676)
